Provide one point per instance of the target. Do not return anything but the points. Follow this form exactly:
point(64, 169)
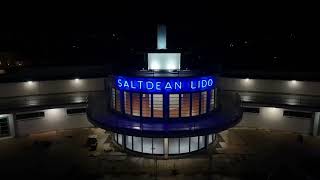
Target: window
point(30, 115)
point(118, 107)
point(174, 105)
point(146, 105)
point(173, 145)
point(76, 111)
point(195, 104)
point(113, 98)
point(251, 109)
point(184, 145)
point(297, 114)
point(212, 100)
point(120, 139)
point(158, 146)
point(127, 103)
point(194, 143)
point(147, 145)
point(202, 140)
point(135, 104)
point(158, 105)
point(185, 105)
point(210, 139)
point(203, 102)
point(137, 144)
point(4, 127)
point(129, 142)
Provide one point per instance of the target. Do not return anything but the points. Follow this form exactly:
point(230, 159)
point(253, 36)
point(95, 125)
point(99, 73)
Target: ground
point(240, 154)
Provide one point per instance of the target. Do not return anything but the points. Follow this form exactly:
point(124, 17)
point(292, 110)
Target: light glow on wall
point(164, 61)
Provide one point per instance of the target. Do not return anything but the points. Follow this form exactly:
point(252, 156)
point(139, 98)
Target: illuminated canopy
point(164, 84)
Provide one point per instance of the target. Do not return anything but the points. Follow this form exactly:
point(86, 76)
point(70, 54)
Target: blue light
point(163, 85)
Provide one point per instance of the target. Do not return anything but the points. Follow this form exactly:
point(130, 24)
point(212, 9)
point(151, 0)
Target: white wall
point(272, 118)
point(55, 119)
point(11, 125)
point(50, 87)
point(272, 86)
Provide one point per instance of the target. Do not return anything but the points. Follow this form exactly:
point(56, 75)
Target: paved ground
point(241, 154)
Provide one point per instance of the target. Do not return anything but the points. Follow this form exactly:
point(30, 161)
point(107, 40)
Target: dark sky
point(261, 36)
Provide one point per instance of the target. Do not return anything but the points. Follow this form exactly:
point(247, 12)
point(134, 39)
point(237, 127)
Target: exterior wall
point(272, 118)
point(11, 125)
point(272, 86)
point(54, 119)
point(50, 87)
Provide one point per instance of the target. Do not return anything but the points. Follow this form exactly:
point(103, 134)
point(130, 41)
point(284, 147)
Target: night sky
point(266, 38)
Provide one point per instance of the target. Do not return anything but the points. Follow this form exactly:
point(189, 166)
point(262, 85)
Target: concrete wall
point(50, 87)
point(272, 86)
point(11, 125)
point(272, 118)
point(54, 119)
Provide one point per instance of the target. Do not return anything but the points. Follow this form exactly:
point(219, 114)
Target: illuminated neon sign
point(165, 84)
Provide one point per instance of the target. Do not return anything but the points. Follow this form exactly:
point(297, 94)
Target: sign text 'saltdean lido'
point(163, 85)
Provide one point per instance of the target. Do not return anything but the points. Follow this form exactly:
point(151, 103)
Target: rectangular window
point(127, 103)
point(250, 109)
point(173, 145)
point(212, 100)
point(195, 104)
point(158, 146)
point(297, 114)
point(146, 105)
point(147, 145)
point(118, 108)
point(210, 139)
point(129, 142)
point(113, 98)
point(184, 145)
point(201, 141)
point(193, 143)
point(4, 127)
point(76, 111)
point(174, 105)
point(135, 104)
point(30, 115)
point(158, 105)
point(204, 102)
point(137, 144)
point(185, 105)
point(120, 139)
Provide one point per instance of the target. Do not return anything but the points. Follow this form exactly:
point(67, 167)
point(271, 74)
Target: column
point(316, 124)
point(166, 148)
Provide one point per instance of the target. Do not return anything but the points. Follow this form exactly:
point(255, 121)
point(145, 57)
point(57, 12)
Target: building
point(164, 110)
point(53, 100)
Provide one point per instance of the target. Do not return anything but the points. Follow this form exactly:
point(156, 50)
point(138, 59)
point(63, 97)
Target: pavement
point(240, 154)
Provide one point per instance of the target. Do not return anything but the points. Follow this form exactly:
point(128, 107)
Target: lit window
point(146, 105)
point(113, 98)
point(195, 104)
point(174, 105)
point(158, 146)
point(129, 142)
point(135, 104)
point(173, 145)
point(203, 102)
point(137, 144)
point(212, 104)
point(185, 105)
point(127, 103)
point(158, 105)
point(147, 145)
point(118, 101)
point(184, 145)
point(194, 143)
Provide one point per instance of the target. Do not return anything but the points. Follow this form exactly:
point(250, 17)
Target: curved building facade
point(164, 110)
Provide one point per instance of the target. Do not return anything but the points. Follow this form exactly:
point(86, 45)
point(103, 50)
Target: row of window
point(285, 112)
point(4, 127)
point(41, 113)
point(152, 105)
point(156, 145)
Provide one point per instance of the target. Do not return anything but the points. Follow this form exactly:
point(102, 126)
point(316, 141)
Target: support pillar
point(166, 148)
point(316, 124)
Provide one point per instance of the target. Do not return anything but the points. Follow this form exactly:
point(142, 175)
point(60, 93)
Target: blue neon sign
point(157, 85)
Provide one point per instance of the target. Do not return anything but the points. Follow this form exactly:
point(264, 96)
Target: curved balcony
point(227, 115)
